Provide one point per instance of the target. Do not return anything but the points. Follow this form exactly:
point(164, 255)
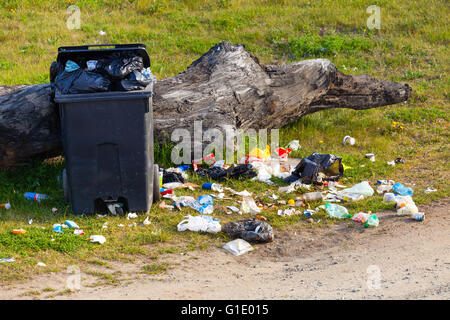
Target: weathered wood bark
point(225, 86)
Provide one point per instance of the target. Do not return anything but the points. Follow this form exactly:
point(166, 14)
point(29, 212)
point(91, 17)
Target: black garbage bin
point(108, 141)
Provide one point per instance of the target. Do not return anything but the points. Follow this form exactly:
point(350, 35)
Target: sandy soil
point(401, 259)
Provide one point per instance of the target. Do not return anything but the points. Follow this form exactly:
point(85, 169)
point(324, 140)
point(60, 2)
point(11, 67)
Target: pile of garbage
point(118, 72)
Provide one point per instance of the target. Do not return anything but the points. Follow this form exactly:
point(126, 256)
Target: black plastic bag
point(134, 81)
point(243, 171)
point(80, 81)
point(309, 168)
point(170, 176)
point(251, 229)
point(121, 65)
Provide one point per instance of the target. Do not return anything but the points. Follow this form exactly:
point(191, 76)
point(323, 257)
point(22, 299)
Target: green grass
point(411, 47)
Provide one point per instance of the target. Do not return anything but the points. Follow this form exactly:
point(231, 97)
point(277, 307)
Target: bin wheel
point(65, 186)
point(156, 194)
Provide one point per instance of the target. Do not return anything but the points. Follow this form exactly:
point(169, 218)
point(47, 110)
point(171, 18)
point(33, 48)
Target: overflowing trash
point(121, 71)
point(201, 223)
point(238, 247)
point(251, 229)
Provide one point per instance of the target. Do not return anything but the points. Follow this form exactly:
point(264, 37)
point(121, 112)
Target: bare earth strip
point(413, 259)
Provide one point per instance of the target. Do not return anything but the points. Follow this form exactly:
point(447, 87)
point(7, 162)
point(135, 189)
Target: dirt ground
point(401, 259)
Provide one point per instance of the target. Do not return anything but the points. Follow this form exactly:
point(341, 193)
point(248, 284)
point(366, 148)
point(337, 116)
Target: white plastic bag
point(362, 188)
point(200, 223)
point(238, 247)
point(249, 205)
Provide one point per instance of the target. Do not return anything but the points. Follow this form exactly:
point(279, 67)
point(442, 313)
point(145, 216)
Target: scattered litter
point(134, 224)
point(251, 229)
point(371, 156)
point(212, 186)
point(402, 190)
point(204, 204)
point(132, 215)
point(58, 228)
point(312, 196)
point(430, 190)
point(348, 140)
point(146, 222)
point(234, 209)
point(4, 260)
point(317, 168)
point(78, 232)
point(291, 202)
point(41, 264)
point(287, 212)
point(35, 196)
point(384, 186)
point(201, 223)
point(238, 247)
point(97, 239)
point(294, 145)
point(163, 205)
point(405, 205)
point(419, 216)
point(391, 163)
point(242, 171)
point(6, 205)
point(19, 231)
point(249, 205)
point(363, 188)
point(105, 225)
point(71, 224)
point(336, 211)
point(400, 160)
point(367, 219)
point(30, 221)
point(308, 212)
point(102, 33)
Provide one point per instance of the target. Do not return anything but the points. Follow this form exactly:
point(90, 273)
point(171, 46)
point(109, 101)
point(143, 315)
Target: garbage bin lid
point(98, 51)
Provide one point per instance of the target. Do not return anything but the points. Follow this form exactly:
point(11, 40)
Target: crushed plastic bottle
point(212, 186)
point(35, 196)
point(402, 190)
point(204, 204)
point(336, 211)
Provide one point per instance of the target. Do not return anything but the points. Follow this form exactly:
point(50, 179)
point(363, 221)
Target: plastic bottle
point(336, 211)
point(313, 196)
point(389, 198)
point(402, 190)
point(372, 221)
point(212, 186)
point(35, 196)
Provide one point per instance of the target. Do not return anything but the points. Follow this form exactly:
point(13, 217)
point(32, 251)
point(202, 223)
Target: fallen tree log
point(226, 86)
